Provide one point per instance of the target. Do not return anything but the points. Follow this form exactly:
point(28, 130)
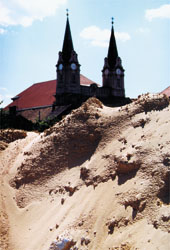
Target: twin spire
point(68, 45)
point(69, 88)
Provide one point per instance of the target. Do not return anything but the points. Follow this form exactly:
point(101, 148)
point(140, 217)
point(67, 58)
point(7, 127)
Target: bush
point(45, 124)
point(14, 121)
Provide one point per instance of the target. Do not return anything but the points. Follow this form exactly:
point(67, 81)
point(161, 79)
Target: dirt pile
point(10, 135)
point(75, 139)
point(100, 177)
point(68, 144)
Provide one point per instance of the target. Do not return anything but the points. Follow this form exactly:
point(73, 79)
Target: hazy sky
point(32, 31)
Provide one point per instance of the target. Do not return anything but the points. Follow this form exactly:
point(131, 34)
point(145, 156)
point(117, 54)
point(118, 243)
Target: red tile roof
point(166, 91)
point(40, 94)
point(85, 81)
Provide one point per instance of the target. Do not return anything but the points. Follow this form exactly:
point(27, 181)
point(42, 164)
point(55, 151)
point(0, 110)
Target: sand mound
point(99, 178)
point(147, 103)
point(75, 139)
point(10, 135)
point(66, 145)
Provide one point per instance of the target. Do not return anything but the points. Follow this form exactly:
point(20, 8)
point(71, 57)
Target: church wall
point(35, 114)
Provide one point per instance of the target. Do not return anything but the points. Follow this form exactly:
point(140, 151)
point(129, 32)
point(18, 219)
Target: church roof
point(112, 51)
point(40, 94)
point(166, 91)
point(67, 44)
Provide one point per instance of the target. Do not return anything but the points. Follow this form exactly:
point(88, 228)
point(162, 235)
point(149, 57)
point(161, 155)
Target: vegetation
point(45, 124)
point(8, 120)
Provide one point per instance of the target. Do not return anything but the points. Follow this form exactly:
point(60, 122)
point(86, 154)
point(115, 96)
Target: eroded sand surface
point(98, 179)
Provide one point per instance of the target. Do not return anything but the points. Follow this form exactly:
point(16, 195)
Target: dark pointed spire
point(112, 52)
point(67, 44)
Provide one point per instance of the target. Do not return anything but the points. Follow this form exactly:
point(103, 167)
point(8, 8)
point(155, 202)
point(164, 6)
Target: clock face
point(118, 71)
point(60, 67)
point(73, 66)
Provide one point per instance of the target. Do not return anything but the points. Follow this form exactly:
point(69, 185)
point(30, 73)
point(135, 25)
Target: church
point(58, 97)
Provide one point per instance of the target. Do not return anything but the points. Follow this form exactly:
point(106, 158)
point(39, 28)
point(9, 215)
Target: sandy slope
point(100, 177)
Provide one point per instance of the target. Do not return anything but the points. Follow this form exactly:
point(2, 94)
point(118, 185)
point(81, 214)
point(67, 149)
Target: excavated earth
point(99, 179)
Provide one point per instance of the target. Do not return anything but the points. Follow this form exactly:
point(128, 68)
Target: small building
point(166, 92)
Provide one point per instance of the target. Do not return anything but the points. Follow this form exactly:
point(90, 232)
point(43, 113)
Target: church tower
point(68, 67)
point(113, 72)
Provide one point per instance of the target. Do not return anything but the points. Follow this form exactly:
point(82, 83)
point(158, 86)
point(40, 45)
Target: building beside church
point(70, 89)
point(166, 92)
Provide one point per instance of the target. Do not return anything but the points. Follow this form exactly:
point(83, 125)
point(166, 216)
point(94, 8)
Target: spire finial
point(112, 20)
point(112, 52)
point(67, 14)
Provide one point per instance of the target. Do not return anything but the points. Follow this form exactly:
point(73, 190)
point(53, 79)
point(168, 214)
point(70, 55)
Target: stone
point(62, 244)
point(62, 201)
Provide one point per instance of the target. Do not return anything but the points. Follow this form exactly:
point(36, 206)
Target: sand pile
point(10, 135)
point(99, 179)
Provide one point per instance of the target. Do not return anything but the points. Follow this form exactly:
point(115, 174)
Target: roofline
point(165, 89)
point(32, 108)
point(43, 82)
point(56, 81)
point(33, 84)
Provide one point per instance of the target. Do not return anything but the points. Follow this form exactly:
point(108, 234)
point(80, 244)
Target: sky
point(32, 32)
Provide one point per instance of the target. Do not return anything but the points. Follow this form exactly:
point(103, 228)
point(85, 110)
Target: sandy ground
point(99, 178)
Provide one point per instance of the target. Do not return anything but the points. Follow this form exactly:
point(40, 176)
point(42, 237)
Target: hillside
point(97, 180)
